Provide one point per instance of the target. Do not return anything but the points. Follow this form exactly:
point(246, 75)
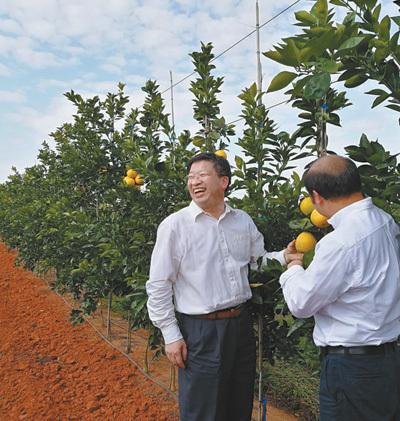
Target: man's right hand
point(292, 256)
point(177, 353)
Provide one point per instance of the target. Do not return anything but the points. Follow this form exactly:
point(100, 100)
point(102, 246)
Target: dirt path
point(50, 370)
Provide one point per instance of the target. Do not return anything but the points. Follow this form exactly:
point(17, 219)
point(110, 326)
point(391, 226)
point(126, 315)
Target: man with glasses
point(198, 293)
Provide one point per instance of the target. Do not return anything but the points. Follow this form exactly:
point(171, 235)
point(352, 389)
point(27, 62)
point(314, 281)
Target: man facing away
point(198, 292)
point(352, 288)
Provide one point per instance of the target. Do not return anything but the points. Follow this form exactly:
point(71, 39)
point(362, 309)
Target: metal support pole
point(172, 100)
point(259, 68)
point(172, 119)
point(259, 87)
point(260, 371)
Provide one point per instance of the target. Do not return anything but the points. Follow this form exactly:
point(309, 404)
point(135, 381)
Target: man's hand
point(292, 257)
point(177, 353)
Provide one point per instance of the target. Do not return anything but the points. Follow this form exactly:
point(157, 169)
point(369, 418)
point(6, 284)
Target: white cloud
point(4, 70)
point(12, 96)
point(42, 122)
point(10, 26)
point(53, 46)
point(37, 59)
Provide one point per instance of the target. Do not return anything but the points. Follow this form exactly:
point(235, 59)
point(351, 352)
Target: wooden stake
point(109, 315)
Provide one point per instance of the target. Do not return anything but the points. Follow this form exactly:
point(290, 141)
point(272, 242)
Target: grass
point(293, 386)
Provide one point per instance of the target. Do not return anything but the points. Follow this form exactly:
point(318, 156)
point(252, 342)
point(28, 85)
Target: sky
point(48, 47)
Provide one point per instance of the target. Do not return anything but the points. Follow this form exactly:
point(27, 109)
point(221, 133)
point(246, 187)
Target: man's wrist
point(295, 263)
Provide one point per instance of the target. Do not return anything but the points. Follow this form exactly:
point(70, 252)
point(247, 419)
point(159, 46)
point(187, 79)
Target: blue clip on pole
point(264, 412)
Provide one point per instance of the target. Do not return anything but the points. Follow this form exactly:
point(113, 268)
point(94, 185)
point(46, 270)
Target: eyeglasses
point(201, 176)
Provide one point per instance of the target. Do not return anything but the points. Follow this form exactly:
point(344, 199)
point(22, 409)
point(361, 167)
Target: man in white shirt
point(352, 288)
point(199, 270)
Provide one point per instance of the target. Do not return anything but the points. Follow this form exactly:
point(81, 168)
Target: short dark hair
point(221, 165)
point(333, 184)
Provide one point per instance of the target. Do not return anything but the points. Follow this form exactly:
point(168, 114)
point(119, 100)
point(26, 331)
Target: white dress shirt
point(202, 262)
point(352, 286)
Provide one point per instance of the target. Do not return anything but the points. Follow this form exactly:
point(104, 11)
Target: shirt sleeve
point(306, 291)
point(258, 250)
point(256, 244)
point(163, 269)
point(278, 255)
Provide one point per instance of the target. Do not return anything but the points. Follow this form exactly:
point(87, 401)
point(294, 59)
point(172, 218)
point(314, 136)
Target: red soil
point(50, 370)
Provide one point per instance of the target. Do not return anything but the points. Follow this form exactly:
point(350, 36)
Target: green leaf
point(380, 99)
point(394, 107)
point(351, 43)
point(317, 86)
point(198, 141)
point(298, 323)
point(279, 58)
point(380, 54)
point(364, 142)
point(306, 116)
point(370, 3)
point(305, 54)
point(337, 3)
point(281, 80)
point(320, 10)
point(376, 92)
point(349, 73)
point(394, 41)
point(306, 17)
point(355, 80)
point(239, 162)
point(384, 28)
point(299, 85)
point(292, 52)
point(377, 11)
point(329, 66)
point(396, 20)
point(349, 18)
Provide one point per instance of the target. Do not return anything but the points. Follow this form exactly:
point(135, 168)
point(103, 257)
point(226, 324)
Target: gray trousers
point(217, 383)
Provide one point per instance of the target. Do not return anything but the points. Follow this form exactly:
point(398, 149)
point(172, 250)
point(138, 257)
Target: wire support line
point(235, 44)
point(172, 394)
point(255, 30)
point(267, 108)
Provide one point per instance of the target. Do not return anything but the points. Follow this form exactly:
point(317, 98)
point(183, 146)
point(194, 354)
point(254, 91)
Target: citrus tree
point(363, 46)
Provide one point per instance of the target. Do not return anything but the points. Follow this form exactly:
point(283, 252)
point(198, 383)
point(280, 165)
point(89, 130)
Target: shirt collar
point(345, 212)
point(195, 210)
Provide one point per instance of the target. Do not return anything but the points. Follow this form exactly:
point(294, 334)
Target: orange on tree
point(319, 220)
point(221, 153)
point(306, 206)
point(131, 173)
point(139, 180)
point(305, 242)
point(128, 181)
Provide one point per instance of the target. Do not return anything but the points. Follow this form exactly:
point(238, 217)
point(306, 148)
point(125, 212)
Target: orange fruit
point(128, 181)
point(221, 153)
point(139, 180)
point(305, 242)
point(319, 220)
point(306, 206)
point(131, 173)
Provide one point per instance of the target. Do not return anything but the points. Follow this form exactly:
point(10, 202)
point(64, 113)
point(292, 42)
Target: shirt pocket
point(239, 246)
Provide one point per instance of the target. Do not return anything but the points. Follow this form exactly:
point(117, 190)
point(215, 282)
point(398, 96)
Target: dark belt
point(359, 350)
point(226, 313)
